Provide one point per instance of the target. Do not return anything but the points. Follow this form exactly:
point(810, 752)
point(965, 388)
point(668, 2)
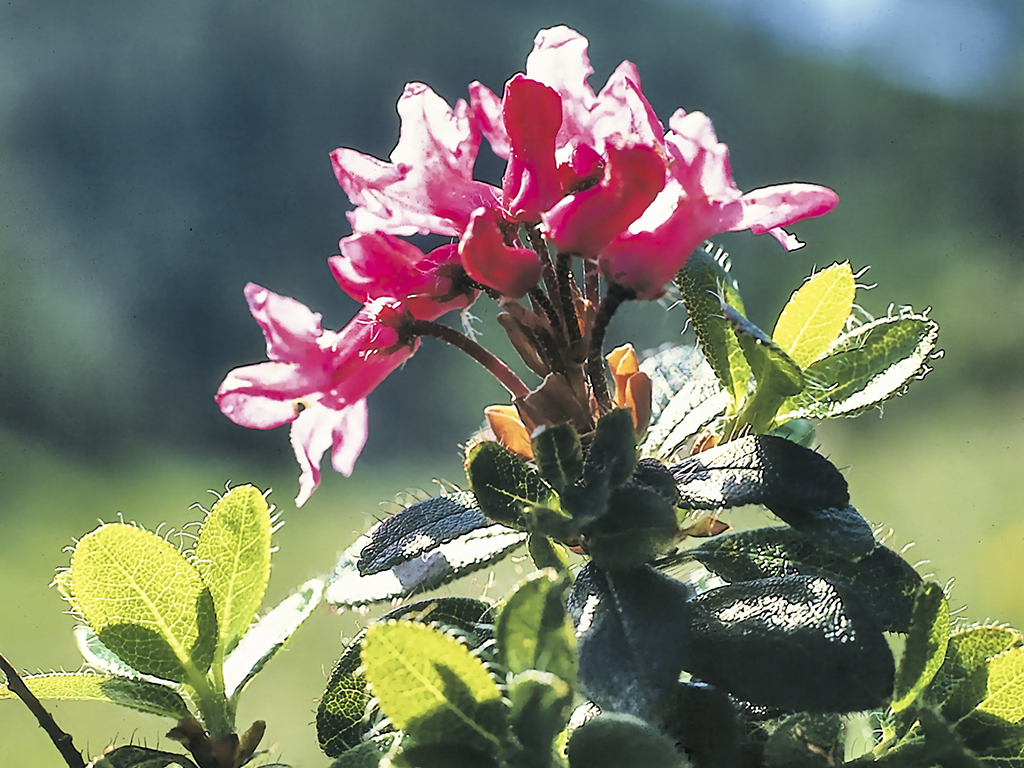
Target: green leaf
point(343, 717)
point(613, 740)
point(776, 375)
point(87, 686)
point(268, 635)
point(640, 525)
point(865, 367)
point(706, 285)
point(232, 556)
point(813, 318)
point(506, 488)
point(547, 553)
point(885, 582)
point(962, 681)
point(612, 453)
point(1005, 695)
point(559, 455)
point(533, 630)
point(145, 602)
point(541, 705)
point(130, 756)
point(368, 754)
point(431, 686)
point(926, 645)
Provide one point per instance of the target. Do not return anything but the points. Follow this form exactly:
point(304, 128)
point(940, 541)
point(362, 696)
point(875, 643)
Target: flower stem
point(563, 269)
point(495, 365)
point(540, 247)
point(613, 299)
point(61, 740)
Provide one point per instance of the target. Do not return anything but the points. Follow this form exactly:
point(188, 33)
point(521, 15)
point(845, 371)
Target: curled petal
point(559, 59)
point(289, 327)
point(428, 185)
point(769, 209)
point(486, 108)
point(318, 429)
point(621, 113)
point(584, 223)
point(262, 396)
point(532, 113)
point(488, 260)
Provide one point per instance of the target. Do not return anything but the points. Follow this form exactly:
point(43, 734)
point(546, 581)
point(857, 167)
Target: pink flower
point(316, 380)
point(510, 270)
point(700, 200)
point(428, 186)
point(376, 265)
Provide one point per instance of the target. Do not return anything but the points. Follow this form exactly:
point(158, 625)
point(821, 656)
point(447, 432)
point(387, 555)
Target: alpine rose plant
point(598, 205)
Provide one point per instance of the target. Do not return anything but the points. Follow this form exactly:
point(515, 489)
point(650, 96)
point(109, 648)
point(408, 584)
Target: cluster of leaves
point(171, 633)
point(756, 655)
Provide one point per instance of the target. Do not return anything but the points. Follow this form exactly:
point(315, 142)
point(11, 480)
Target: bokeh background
point(156, 157)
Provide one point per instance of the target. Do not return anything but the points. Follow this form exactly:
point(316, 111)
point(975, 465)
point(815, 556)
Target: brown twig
point(61, 740)
point(613, 299)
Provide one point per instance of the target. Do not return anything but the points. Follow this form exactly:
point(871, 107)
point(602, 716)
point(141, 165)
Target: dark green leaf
point(368, 754)
point(541, 704)
point(443, 755)
point(559, 455)
point(130, 756)
point(640, 525)
point(704, 723)
point(925, 648)
point(504, 485)
point(706, 285)
point(419, 528)
point(613, 451)
point(865, 367)
point(800, 486)
point(533, 631)
point(632, 633)
point(883, 580)
point(617, 740)
point(548, 554)
point(342, 718)
point(796, 642)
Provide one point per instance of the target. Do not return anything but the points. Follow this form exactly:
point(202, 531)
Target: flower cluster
point(591, 178)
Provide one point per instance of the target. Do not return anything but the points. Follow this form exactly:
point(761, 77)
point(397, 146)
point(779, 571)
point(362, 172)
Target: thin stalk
point(496, 366)
point(540, 247)
point(591, 282)
point(613, 299)
point(540, 300)
point(61, 740)
point(563, 269)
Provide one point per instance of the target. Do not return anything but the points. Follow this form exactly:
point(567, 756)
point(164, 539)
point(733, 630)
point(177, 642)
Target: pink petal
point(319, 428)
point(486, 108)
point(769, 208)
point(289, 327)
point(532, 113)
point(262, 396)
point(375, 264)
point(622, 114)
point(428, 186)
point(488, 260)
point(559, 59)
point(587, 221)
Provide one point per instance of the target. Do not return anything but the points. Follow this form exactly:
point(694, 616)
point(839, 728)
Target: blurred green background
point(155, 157)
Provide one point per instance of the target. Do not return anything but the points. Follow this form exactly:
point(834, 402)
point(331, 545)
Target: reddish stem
point(495, 365)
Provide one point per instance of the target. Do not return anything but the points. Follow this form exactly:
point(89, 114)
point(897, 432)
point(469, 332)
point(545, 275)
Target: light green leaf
point(268, 635)
point(533, 630)
point(926, 644)
point(87, 686)
point(144, 601)
point(816, 314)
point(541, 704)
point(865, 367)
point(431, 686)
point(706, 285)
point(962, 681)
point(1005, 695)
point(232, 556)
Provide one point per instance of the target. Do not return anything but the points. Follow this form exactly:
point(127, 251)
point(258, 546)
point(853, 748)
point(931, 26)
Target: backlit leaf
point(233, 557)
point(145, 602)
point(533, 631)
point(86, 686)
point(815, 315)
point(268, 635)
point(962, 681)
point(925, 648)
point(1005, 695)
point(343, 717)
point(865, 367)
point(431, 686)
